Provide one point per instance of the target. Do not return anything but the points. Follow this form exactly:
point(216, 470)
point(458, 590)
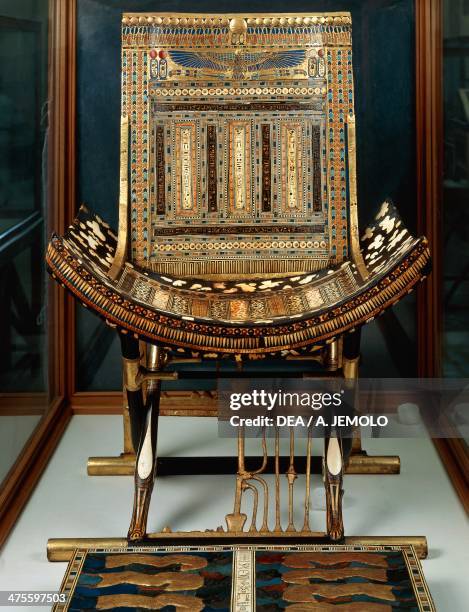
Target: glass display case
point(24, 384)
point(455, 221)
point(33, 410)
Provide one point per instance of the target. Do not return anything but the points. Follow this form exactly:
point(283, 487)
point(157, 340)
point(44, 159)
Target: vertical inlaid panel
point(291, 171)
point(340, 103)
point(316, 159)
point(240, 167)
point(186, 175)
point(243, 593)
point(266, 169)
point(212, 167)
point(160, 170)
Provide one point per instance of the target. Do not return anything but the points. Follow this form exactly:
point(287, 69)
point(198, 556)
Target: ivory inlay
point(334, 457)
point(292, 171)
point(145, 461)
point(239, 170)
point(243, 590)
point(186, 169)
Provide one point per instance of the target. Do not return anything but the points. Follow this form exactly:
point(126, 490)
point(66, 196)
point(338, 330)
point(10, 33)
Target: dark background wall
point(383, 39)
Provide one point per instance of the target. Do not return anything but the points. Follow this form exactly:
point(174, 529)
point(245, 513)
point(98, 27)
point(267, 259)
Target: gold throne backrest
point(240, 143)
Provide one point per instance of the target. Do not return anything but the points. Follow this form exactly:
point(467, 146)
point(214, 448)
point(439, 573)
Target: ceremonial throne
point(238, 228)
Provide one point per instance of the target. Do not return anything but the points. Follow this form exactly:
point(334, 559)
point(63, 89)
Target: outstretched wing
point(249, 62)
point(280, 59)
point(190, 59)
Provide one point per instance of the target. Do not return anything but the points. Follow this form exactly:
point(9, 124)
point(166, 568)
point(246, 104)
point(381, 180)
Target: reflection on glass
point(456, 198)
point(23, 330)
point(456, 188)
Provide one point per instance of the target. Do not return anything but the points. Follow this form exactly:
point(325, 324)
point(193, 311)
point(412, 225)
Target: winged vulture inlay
point(239, 64)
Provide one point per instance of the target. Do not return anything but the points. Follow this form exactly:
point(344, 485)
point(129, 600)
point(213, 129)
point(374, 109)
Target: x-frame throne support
point(61, 549)
point(124, 464)
point(144, 416)
point(142, 381)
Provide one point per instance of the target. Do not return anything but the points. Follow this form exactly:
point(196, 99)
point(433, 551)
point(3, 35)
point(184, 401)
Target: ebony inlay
point(160, 171)
point(316, 144)
point(266, 169)
point(212, 168)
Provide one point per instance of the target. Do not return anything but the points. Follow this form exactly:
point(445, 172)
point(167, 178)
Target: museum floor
point(67, 503)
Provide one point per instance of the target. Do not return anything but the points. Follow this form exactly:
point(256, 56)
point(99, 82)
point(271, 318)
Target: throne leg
point(350, 369)
point(351, 354)
point(359, 461)
point(144, 431)
point(131, 359)
point(333, 472)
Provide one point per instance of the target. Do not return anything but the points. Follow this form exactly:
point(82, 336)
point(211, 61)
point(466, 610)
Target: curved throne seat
point(277, 315)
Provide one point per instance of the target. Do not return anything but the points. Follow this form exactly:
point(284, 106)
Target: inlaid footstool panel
point(247, 579)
